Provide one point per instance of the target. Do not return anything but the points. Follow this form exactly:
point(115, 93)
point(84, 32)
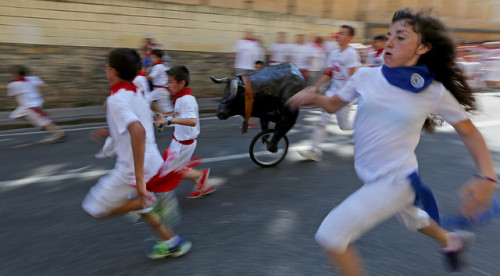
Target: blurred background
point(65, 42)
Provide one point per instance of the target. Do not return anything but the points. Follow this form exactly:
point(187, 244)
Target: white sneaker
point(310, 154)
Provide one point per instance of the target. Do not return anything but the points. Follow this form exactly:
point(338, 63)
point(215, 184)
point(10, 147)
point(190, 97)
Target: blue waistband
point(424, 197)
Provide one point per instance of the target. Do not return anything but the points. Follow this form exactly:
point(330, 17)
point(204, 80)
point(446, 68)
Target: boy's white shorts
point(110, 192)
point(35, 115)
point(368, 206)
point(179, 154)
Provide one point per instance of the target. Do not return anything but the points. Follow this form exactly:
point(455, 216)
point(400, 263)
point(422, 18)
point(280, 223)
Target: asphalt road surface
point(258, 222)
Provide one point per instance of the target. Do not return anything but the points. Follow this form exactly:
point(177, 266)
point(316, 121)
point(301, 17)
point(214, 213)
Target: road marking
point(75, 129)
point(38, 179)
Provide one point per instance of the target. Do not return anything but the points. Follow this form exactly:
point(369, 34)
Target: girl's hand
point(303, 97)
point(477, 195)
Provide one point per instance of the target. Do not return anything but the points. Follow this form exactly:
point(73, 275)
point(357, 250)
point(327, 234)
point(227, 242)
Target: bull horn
point(223, 80)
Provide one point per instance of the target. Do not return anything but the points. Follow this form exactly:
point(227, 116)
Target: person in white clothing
point(187, 127)
point(142, 83)
point(246, 52)
point(301, 56)
point(376, 57)
point(419, 78)
point(331, 42)
point(341, 65)
point(124, 188)
point(318, 60)
point(280, 50)
point(26, 90)
point(159, 97)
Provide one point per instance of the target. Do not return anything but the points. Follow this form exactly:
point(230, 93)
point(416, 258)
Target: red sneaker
point(199, 193)
point(201, 189)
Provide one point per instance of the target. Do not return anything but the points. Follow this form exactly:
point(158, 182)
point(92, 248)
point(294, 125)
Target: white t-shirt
point(340, 63)
point(318, 58)
point(389, 121)
point(186, 107)
point(159, 75)
point(247, 52)
point(142, 84)
point(330, 46)
point(375, 60)
point(301, 55)
point(26, 92)
point(123, 108)
point(280, 53)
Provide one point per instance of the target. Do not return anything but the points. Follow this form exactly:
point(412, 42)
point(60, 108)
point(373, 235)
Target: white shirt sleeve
point(35, 80)
point(353, 60)
point(156, 71)
point(121, 113)
point(188, 107)
point(348, 92)
point(449, 108)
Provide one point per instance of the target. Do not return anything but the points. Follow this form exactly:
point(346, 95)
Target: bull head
point(229, 103)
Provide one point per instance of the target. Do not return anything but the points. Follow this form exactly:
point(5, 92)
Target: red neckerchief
point(158, 63)
point(21, 79)
point(379, 52)
point(141, 73)
point(251, 39)
point(318, 44)
point(183, 92)
point(119, 85)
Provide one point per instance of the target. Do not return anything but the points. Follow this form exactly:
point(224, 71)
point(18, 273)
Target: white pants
point(110, 192)
point(178, 155)
point(368, 206)
point(35, 115)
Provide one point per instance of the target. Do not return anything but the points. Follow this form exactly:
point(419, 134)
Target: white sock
point(174, 241)
point(453, 242)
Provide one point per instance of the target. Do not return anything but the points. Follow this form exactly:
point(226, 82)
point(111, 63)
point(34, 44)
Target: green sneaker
point(161, 249)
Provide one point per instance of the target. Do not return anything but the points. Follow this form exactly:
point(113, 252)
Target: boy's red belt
point(185, 142)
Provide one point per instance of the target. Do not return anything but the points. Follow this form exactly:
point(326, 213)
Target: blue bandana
point(411, 78)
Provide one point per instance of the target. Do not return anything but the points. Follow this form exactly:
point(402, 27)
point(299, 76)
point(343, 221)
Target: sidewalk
point(88, 114)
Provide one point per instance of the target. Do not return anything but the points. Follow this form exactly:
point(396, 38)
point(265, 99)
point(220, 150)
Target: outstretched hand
point(477, 195)
point(303, 97)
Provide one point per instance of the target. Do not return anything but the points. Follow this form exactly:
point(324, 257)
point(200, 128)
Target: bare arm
point(138, 142)
point(477, 193)
point(309, 96)
point(162, 120)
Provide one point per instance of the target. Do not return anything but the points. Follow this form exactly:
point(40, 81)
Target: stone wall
point(77, 74)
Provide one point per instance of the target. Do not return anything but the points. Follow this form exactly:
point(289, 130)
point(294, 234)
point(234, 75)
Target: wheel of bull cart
point(259, 153)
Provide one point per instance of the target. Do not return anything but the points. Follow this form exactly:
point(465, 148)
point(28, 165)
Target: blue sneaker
point(161, 249)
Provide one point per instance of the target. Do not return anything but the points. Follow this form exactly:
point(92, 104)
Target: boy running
point(138, 159)
point(187, 127)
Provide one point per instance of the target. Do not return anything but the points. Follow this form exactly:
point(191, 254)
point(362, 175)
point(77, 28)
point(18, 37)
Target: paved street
point(259, 222)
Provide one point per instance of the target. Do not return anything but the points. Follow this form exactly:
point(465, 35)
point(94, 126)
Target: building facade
point(65, 41)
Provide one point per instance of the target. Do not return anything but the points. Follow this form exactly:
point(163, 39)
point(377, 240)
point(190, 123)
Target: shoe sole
point(184, 251)
point(307, 156)
point(205, 193)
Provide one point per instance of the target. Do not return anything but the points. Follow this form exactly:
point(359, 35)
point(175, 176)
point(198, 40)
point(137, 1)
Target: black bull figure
point(272, 87)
